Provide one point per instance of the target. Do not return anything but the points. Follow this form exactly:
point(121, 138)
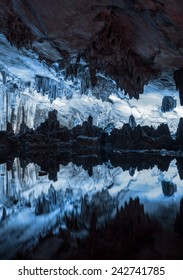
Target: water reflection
point(42, 194)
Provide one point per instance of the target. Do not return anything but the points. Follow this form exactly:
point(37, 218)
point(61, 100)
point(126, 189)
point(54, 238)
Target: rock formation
point(118, 40)
point(141, 137)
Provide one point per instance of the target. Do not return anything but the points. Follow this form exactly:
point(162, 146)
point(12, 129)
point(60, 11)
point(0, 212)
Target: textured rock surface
point(131, 41)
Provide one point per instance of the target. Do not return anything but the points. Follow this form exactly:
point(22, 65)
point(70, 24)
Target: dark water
point(30, 209)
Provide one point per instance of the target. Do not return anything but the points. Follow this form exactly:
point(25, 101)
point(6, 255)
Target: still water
point(106, 186)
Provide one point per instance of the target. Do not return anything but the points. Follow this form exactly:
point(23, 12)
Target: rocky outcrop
point(141, 137)
point(135, 137)
point(87, 129)
point(168, 104)
point(50, 127)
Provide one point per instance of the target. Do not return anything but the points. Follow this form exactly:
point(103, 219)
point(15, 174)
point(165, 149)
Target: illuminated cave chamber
point(113, 52)
point(91, 118)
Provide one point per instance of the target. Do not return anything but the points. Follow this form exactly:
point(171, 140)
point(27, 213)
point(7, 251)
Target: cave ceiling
point(131, 41)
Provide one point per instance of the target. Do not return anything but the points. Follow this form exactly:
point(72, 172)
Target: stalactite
point(47, 86)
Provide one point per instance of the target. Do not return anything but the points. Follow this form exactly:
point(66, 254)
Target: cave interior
point(91, 129)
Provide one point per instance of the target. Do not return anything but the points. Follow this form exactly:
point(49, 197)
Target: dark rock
point(24, 129)
point(179, 134)
point(120, 234)
point(180, 167)
point(163, 129)
point(105, 41)
point(51, 125)
point(168, 188)
point(3, 138)
point(9, 129)
point(87, 129)
point(178, 77)
point(15, 30)
point(179, 219)
point(168, 104)
point(138, 138)
point(42, 173)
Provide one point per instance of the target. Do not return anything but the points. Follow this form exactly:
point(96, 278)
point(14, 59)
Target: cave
point(91, 129)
